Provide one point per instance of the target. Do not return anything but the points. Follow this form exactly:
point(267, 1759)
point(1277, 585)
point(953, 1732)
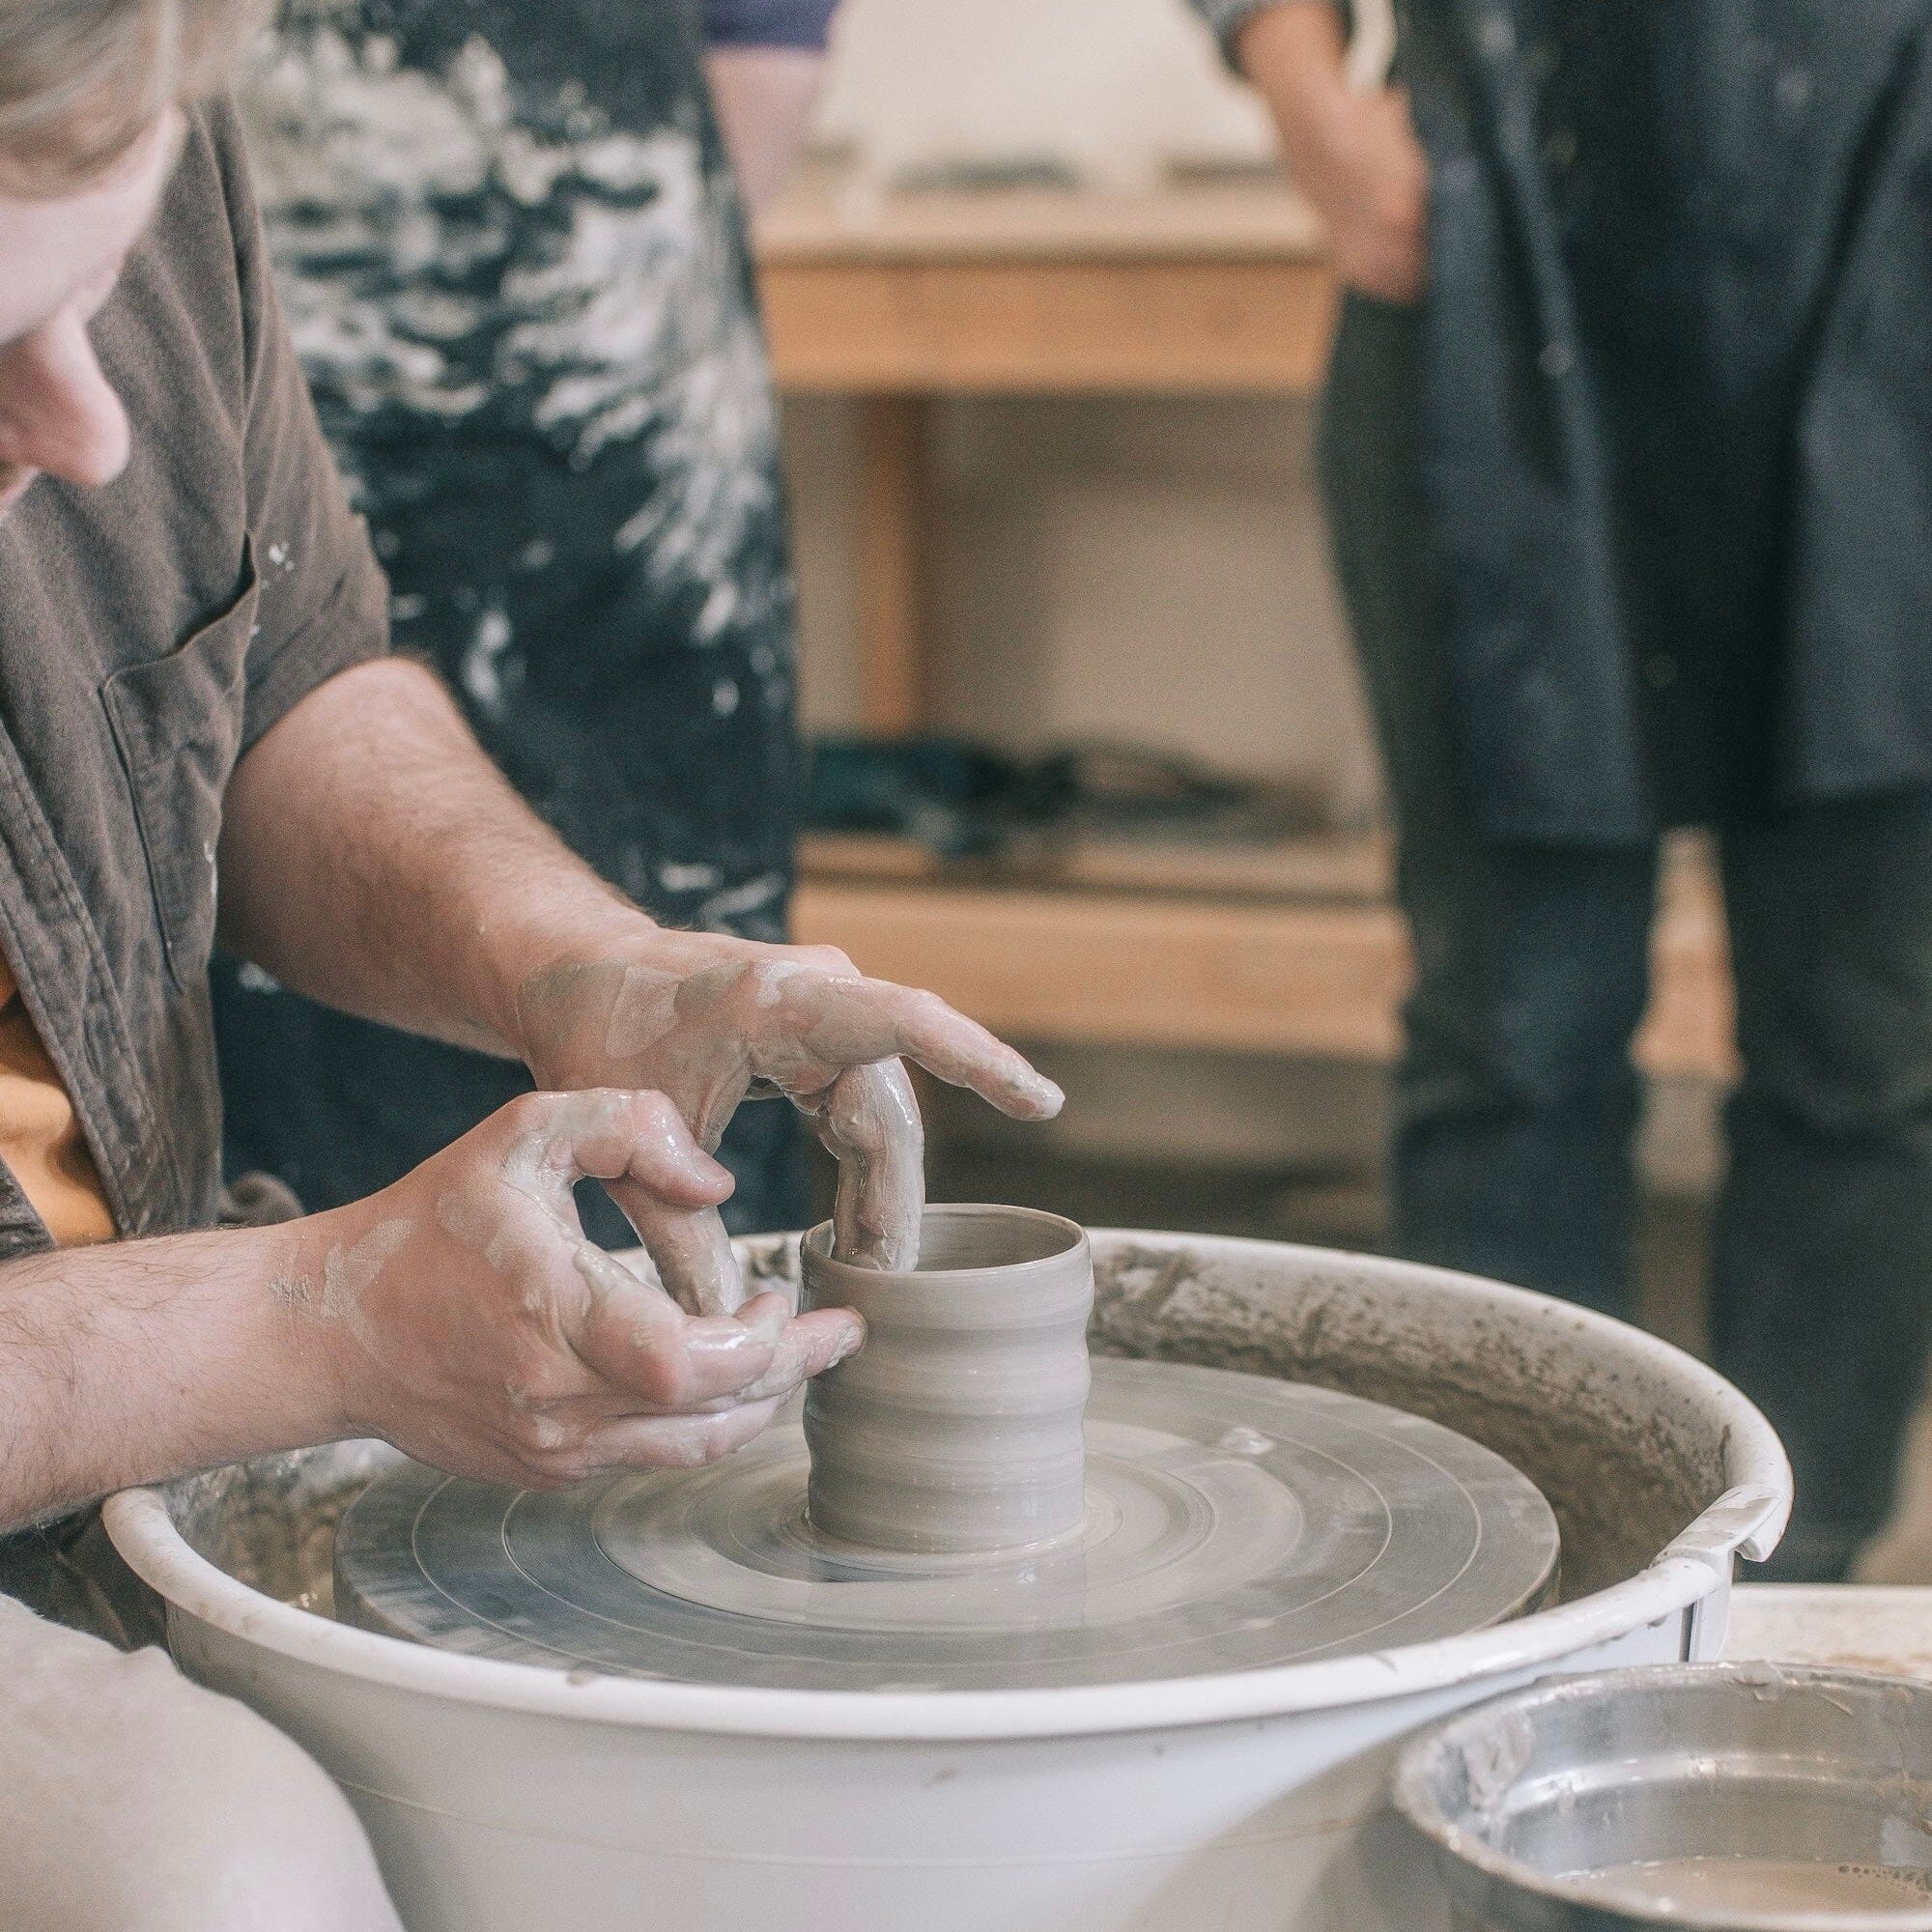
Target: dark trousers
point(1516, 1101)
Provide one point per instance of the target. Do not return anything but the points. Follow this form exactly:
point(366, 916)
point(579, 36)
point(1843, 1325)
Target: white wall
point(1112, 87)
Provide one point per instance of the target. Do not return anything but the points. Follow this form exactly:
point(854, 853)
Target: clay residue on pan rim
point(1623, 1476)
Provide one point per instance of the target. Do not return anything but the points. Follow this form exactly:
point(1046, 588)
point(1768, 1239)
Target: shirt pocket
point(177, 723)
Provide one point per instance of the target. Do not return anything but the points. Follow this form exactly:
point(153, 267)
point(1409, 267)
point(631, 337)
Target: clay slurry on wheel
point(1234, 1523)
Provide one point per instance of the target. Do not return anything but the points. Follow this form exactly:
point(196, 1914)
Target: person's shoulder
point(208, 205)
point(197, 277)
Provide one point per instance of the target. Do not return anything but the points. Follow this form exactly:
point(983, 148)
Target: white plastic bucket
point(503, 1798)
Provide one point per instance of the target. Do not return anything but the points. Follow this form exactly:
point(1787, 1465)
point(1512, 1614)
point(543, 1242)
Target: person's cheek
point(58, 412)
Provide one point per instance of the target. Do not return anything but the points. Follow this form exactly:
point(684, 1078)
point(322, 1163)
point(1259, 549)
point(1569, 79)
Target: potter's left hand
point(710, 1020)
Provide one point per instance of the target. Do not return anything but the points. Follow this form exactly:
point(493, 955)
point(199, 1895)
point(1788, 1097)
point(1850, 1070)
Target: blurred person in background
point(510, 242)
point(1629, 459)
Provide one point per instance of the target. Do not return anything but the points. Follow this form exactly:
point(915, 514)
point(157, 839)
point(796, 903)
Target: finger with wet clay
point(861, 1021)
point(636, 1140)
point(638, 1146)
point(637, 1341)
point(691, 1250)
point(687, 1441)
point(868, 1120)
point(805, 1349)
point(808, 1346)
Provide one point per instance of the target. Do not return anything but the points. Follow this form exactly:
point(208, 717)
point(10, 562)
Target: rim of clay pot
point(816, 1243)
point(1750, 1514)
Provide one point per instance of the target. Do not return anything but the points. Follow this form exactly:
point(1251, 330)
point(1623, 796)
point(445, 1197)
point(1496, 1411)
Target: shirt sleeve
point(322, 600)
point(767, 23)
point(1227, 18)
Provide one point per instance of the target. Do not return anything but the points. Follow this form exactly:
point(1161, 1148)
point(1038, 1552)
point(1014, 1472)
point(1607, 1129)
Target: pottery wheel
point(1233, 1522)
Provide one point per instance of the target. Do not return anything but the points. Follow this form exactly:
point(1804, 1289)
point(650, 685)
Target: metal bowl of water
point(1733, 1798)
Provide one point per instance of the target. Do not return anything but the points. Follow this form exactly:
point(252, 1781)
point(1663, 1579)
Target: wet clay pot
point(956, 1429)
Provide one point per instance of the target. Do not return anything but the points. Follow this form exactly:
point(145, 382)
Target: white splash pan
point(505, 1798)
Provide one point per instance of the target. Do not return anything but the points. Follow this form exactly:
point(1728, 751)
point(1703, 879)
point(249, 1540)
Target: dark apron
point(1677, 383)
point(513, 261)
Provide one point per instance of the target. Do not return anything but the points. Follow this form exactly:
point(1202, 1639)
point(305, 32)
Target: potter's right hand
point(710, 1020)
point(465, 1317)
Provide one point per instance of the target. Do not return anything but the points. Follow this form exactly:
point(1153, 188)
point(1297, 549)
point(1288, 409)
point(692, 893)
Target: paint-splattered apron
point(513, 263)
point(1676, 350)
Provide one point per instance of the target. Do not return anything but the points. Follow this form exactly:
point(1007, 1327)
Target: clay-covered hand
point(463, 1316)
point(710, 1020)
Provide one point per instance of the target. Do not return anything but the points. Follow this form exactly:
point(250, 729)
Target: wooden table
point(1198, 291)
point(1214, 289)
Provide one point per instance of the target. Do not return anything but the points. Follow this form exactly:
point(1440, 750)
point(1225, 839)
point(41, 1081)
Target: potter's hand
point(464, 1317)
point(709, 1020)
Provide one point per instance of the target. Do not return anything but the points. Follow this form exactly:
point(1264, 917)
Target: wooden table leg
point(889, 592)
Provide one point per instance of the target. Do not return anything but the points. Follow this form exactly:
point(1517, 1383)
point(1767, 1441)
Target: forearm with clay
point(461, 1313)
point(372, 858)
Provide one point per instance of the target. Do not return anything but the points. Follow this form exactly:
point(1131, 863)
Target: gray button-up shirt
point(149, 633)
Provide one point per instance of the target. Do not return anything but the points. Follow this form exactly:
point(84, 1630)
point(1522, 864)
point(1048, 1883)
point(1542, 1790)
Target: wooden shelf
point(828, 215)
point(1320, 977)
point(1075, 327)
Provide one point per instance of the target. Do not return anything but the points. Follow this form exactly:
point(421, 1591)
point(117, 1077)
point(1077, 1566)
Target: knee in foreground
point(134, 1800)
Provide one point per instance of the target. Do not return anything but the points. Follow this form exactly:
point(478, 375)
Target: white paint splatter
point(441, 246)
point(484, 674)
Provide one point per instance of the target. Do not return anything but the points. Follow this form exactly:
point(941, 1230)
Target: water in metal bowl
point(1738, 1798)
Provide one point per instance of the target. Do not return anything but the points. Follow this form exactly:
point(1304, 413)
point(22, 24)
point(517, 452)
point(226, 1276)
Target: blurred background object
point(1107, 92)
point(1031, 507)
point(1050, 325)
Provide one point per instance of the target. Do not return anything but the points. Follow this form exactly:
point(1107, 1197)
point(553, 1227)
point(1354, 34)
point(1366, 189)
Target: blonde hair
point(82, 80)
